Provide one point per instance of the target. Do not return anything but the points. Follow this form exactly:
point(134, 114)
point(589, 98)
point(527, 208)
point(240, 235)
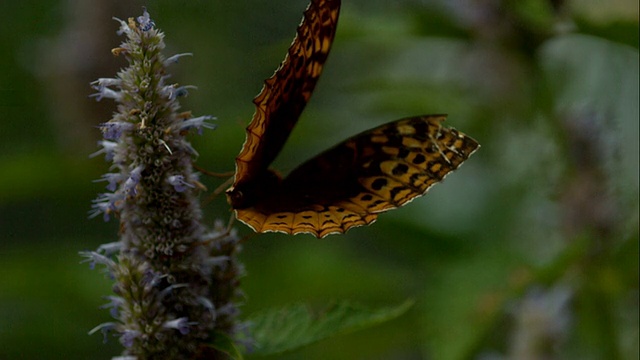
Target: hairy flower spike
point(175, 282)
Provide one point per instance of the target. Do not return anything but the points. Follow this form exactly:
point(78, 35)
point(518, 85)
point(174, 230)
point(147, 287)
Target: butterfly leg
point(217, 191)
point(222, 232)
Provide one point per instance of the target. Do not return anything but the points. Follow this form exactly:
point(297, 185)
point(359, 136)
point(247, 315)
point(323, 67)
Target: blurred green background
point(530, 249)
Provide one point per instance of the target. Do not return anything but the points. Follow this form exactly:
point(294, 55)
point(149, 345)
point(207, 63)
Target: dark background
point(550, 201)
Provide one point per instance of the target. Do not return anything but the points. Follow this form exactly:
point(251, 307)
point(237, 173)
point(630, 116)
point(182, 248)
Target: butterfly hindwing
point(349, 184)
point(410, 156)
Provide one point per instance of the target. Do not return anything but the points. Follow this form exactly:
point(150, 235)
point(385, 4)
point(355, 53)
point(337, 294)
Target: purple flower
point(189, 149)
point(208, 305)
point(133, 180)
point(114, 303)
point(178, 183)
point(112, 130)
point(124, 27)
point(105, 328)
point(107, 203)
point(172, 92)
point(181, 324)
point(145, 22)
point(198, 123)
point(169, 289)
point(112, 179)
point(151, 278)
point(101, 207)
point(104, 82)
point(174, 59)
point(108, 148)
point(109, 248)
point(105, 92)
point(94, 258)
point(128, 336)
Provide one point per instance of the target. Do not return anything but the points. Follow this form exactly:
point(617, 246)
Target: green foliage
point(291, 327)
point(225, 344)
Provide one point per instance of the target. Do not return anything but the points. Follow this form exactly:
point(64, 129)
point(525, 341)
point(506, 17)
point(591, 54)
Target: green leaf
point(223, 343)
point(283, 329)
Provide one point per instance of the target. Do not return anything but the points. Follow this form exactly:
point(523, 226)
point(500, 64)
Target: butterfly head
point(236, 198)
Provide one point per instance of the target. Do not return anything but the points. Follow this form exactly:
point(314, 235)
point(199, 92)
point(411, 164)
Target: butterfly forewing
point(285, 94)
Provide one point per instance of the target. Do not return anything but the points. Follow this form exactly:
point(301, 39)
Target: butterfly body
point(350, 184)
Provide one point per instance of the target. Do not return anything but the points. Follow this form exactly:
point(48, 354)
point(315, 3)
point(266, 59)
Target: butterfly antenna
point(232, 219)
point(214, 174)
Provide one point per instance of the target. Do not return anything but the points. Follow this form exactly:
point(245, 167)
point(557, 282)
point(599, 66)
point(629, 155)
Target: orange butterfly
point(349, 184)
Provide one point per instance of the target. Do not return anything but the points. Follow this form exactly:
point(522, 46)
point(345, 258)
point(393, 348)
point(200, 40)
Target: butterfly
point(350, 184)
